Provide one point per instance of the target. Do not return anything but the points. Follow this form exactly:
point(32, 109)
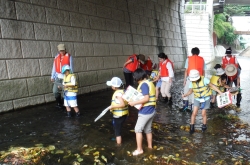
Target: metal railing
point(196, 8)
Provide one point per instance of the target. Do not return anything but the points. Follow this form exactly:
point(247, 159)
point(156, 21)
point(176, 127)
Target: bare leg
point(195, 111)
point(149, 139)
point(139, 138)
point(68, 108)
point(119, 140)
point(204, 116)
point(76, 109)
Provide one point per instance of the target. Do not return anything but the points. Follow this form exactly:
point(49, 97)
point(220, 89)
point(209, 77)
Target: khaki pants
point(165, 89)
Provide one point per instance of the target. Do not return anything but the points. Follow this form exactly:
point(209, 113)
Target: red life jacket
point(148, 65)
point(232, 78)
point(195, 62)
point(59, 64)
point(225, 62)
point(133, 65)
point(164, 71)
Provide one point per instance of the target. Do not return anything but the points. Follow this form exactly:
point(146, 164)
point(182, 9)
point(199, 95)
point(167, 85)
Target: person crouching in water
point(220, 81)
point(70, 91)
point(201, 88)
point(147, 112)
point(118, 107)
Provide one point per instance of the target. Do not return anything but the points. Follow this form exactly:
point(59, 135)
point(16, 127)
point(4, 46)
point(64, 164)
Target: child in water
point(220, 81)
point(70, 91)
point(118, 107)
point(202, 92)
point(147, 112)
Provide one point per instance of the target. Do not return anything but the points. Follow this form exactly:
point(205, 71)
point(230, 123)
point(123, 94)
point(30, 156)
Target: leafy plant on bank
point(234, 10)
point(224, 30)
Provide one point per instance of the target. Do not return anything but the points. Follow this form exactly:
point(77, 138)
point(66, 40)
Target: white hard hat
point(194, 75)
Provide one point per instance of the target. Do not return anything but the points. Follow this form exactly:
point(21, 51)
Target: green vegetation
point(224, 29)
point(234, 10)
point(223, 24)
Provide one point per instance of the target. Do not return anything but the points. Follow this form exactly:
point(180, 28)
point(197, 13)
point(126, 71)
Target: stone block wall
point(99, 34)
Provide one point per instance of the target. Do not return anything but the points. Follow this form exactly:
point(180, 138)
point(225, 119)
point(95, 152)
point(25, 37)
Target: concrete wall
point(99, 34)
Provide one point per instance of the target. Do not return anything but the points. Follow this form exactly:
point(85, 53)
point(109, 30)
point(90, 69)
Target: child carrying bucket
point(118, 107)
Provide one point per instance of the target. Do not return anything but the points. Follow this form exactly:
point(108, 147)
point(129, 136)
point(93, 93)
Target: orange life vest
point(147, 65)
point(133, 65)
point(197, 63)
point(225, 62)
point(164, 71)
point(60, 63)
point(232, 78)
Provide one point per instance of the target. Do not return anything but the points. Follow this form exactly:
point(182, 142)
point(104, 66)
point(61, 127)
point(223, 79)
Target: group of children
point(119, 107)
point(204, 90)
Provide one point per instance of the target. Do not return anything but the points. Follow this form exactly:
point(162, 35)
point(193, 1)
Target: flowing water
point(45, 136)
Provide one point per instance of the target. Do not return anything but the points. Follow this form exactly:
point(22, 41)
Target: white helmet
point(65, 67)
point(194, 75)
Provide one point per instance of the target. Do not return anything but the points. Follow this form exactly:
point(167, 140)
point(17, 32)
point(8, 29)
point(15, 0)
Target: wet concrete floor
point(73, 140)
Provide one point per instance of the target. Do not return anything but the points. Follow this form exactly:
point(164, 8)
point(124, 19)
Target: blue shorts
point(158, 84)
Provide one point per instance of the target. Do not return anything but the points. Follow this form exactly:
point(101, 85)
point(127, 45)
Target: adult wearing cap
point(192, 62)
point(130, 66)
point(61, 59)
point(200, 86)
point(233, 74)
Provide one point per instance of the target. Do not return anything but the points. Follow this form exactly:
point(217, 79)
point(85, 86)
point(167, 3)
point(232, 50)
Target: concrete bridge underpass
point(99, 34)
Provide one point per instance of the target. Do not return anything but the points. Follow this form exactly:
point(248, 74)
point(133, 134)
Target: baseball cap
point(61, 47)
point(115, 82)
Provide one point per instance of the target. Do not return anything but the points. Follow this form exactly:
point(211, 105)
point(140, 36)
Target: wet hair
point(139, 74)
point(195, 51)
point(162, 55)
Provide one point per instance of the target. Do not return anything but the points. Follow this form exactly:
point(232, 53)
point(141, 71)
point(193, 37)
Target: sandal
point(135, 153)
